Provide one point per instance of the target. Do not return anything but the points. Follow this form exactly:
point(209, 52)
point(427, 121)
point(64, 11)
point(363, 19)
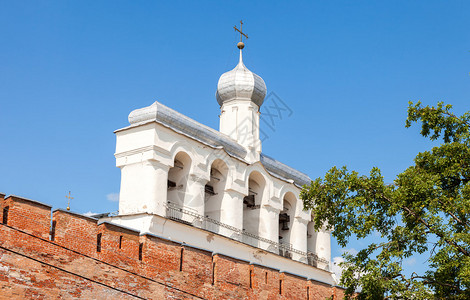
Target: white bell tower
point(240, 94)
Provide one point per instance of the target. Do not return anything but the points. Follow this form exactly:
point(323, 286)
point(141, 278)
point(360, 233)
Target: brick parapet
point(31, 216)
point(110, 259)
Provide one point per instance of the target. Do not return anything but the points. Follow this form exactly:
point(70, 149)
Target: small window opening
point(181, 259)
point(120, 242)
point(266, 277)
point(213, 273)
point(308, 293)
point(54, 223)
point(98, 242)
point(251, 279)
point(141, 246)
point(5, 215)
point(280, 287)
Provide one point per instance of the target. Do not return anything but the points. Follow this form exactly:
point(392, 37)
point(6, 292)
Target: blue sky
point(71, 72)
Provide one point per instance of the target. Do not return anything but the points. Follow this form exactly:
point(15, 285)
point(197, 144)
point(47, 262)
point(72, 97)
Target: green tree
point(425, 210)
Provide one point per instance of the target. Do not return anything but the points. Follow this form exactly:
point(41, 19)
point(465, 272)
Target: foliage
point(425, 210)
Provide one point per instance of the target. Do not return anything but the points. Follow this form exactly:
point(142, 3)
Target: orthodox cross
point(241, 31)
point(69, 197)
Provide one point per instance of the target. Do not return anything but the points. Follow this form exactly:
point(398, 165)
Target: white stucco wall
point(150, 154)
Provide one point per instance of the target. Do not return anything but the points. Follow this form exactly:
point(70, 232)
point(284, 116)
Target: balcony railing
point(190, 217)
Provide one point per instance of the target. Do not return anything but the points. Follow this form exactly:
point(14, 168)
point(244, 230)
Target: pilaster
point(232, 212)
point(269, 226)
point(323, 244)
point(299, 238)
point(144, 188)
point(194, 198)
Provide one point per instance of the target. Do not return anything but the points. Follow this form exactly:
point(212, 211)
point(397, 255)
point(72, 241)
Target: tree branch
point(430, 280)
point(454, 116)
point(452, 215)
point(425, 223)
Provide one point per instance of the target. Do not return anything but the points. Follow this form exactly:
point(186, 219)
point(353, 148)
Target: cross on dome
point(240, 45)
point(240, 83)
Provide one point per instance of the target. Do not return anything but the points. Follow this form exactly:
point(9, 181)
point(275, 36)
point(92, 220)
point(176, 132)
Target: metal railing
point(190, 217)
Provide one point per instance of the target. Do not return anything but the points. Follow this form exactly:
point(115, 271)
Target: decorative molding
point(271, 208)
point(301, 220)
point(154, 148)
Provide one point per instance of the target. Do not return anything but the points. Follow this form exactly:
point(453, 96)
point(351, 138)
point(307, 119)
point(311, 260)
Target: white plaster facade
point(190, 183)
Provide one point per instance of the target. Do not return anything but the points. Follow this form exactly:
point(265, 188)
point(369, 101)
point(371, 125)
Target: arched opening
point(311, 244)
point(178, 179)
point(214, 190)
point(252, 204)
point(286, 219)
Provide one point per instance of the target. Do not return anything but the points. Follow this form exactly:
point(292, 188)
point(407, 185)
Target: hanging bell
point(284, 226)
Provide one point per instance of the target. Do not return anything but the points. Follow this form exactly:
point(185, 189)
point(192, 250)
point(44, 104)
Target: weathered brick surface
point(320, 290)
point(124, 265)
point(34, 280)
point(294, 287)
point(119, 246)
point(232, 276)
point(76, 232)
point(197, 267)
point(161, 258)
point(2, 204)
point(267, 282)
point(70, 267)
point(339, 293)
point(31, 216)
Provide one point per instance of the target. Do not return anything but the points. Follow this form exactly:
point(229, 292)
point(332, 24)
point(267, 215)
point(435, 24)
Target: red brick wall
point(2, 203)
point(127, 265)
point(232, 276)
point(33, 217)
point(126, 257)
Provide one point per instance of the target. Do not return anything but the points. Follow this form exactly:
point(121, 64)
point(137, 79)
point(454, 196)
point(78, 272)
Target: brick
point(29, 215)
point(127, 265)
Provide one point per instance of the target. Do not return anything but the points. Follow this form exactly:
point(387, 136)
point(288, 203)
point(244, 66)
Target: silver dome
point(240, 84)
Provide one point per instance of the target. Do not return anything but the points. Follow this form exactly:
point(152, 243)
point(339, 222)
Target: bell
point(209, 189)
point(171, 184)
point(284, 226)
point(249, 200)
point(284, 217)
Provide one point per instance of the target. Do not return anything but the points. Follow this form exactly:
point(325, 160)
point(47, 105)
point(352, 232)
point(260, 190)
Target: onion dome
point(241, 84)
